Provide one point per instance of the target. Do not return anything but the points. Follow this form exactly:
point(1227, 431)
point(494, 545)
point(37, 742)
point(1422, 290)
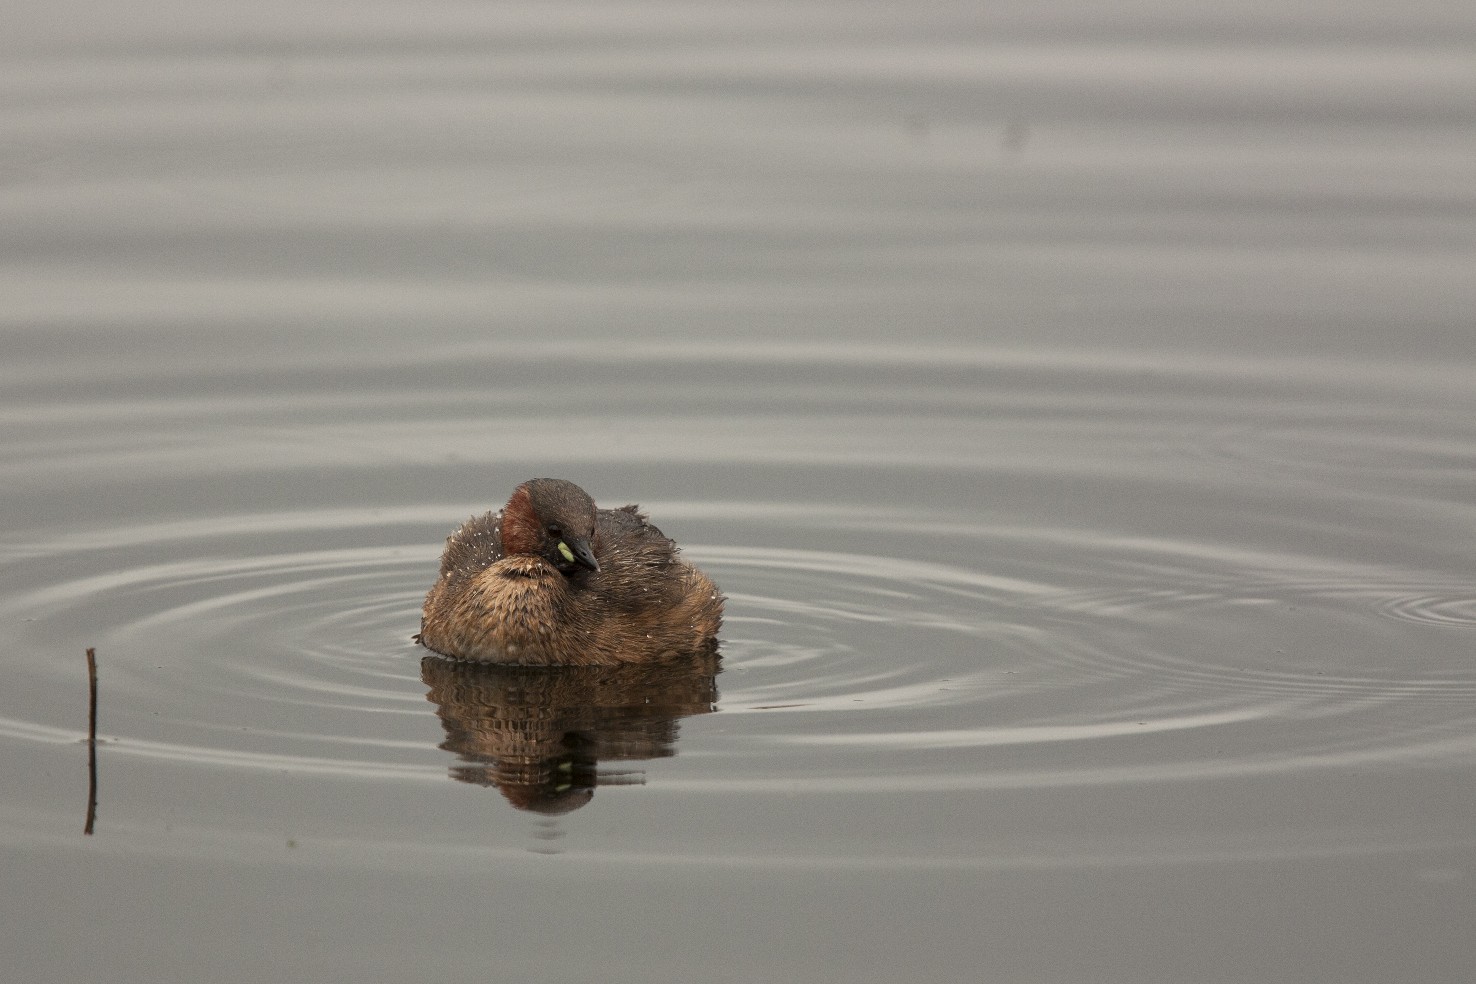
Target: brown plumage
point(553, 580)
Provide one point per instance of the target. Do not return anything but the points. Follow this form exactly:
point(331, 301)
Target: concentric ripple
point(238, 651)
point(1451, 610)
point(1091, 597)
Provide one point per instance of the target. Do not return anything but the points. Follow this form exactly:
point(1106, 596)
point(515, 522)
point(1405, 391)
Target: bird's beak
point(576, 550)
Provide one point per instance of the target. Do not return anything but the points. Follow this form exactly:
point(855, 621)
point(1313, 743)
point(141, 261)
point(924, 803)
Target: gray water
point(1077, 405)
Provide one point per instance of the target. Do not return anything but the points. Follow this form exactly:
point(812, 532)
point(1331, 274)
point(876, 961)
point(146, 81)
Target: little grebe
point(552, 580)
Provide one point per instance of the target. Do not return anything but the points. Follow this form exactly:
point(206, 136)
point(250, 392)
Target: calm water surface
point(1077, 405)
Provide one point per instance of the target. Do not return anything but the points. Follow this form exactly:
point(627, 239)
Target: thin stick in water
point(91, 740)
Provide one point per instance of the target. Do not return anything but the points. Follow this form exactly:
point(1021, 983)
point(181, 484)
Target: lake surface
point(1077, 405)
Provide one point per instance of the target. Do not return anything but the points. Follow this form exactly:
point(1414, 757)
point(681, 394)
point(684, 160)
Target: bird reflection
point(539, 733)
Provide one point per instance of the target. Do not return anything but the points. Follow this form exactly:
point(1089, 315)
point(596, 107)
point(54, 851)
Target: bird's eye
point(555, 531)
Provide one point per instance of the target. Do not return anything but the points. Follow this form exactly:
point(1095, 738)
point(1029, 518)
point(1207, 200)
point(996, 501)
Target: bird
point(551, 579)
